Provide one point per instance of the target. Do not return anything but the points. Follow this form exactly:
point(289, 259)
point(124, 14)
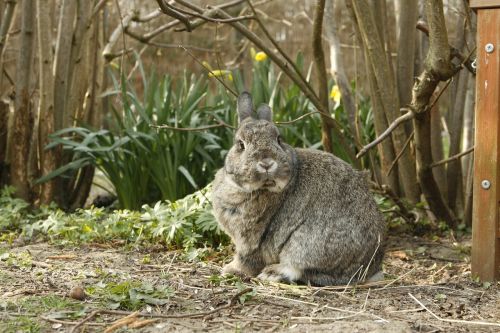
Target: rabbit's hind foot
point(379, 276)
point(280, 273)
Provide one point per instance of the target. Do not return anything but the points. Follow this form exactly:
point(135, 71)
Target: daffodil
point(221, 73)
point(335, 94)
point(260, 56)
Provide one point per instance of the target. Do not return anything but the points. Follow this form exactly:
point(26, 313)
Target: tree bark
point(62, 62)
point(8, 15)
point(454, 168)
point(337, 67)
point(386, 89)
point(23, 118)
point(437, 68)
point(406, 49)
point(319, 62)
point(48, 158)
point(437, 147)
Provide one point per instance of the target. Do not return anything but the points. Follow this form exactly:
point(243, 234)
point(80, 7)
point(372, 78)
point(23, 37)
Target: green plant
point(12, 210)
point(186, 223)
point(129, 295)
point(145, 164)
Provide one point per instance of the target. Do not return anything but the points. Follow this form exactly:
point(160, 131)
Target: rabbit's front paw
point(233, 268)
point(280, 273)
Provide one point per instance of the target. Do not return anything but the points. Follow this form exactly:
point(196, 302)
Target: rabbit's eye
point(279, 139)
point(241, 145)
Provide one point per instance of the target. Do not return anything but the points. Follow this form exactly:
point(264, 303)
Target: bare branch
point(406, 145)
point(211, 19)
point(209, 71)
point(172, 12)
point(278, 48)
point(454, 52)
point(402, 119)
point(148, 17)
point(297, 119)
point(192, 129)
point(452, 158)
point(115, 35)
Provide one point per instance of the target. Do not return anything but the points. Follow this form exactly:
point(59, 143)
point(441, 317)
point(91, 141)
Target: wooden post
point(486, 203)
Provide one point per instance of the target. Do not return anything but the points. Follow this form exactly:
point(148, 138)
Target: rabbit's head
point(259, 159)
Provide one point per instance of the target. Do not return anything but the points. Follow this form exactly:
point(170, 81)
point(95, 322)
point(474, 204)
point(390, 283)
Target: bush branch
point(452, 158)
point(402, 119)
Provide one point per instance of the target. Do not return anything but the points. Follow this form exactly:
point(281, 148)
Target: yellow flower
point(260, 56)
point(86, 228)
point(335, 94)
point(221, 73)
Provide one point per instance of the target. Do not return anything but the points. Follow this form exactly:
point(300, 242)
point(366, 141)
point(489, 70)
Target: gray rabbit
point(294, 215)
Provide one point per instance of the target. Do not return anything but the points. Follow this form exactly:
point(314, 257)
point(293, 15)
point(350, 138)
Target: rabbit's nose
point(267, 165)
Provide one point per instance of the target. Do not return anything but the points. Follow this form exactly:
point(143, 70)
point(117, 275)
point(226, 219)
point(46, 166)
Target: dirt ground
point(427, 288)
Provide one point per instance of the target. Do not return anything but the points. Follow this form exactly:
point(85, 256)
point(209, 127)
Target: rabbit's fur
point(294, 215)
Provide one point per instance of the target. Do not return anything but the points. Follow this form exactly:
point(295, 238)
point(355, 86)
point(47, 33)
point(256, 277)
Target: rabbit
point(294, 215)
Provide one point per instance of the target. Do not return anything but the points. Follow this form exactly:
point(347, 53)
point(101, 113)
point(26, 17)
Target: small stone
point(77, 293)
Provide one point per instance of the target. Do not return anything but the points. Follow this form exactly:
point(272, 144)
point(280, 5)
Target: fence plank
point(486, 210)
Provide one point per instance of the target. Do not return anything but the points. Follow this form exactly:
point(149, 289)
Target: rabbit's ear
point(264, 112)
point(244, 106)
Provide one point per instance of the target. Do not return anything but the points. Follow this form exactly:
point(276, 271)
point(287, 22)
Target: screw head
point(489, 48)
point(485, 184)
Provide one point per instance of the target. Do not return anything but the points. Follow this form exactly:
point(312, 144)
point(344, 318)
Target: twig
point(211, 19)
point(279, 49)
point(452, 158)
point(122, 322)
point(398, 278)
point(57, 321)
point(407, 116)
point(297, 119)
point(171, 46)
point(189, 129)
point(209, 71)
point(328, 318)
point(406, 145)
point(456, 321)
point(171, 11)
point(83, 321)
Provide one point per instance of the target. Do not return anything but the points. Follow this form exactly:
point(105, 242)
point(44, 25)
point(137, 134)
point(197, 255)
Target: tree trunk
point(406, 49)
point(4, 120)
point(48, 158)
point(80, 65)
point(437, 68)
point(8, 15)
point(23, 118)
point(454, 168)
point(386, 89)
point(62, 62)
point(439, 172)
point(319, 61)
point(386, 148)
point(337, 67)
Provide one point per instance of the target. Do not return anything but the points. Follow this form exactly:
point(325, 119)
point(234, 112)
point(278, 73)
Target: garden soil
point(428, 288)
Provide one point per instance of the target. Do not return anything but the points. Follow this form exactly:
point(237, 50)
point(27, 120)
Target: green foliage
point(12, 210)
point(187, 223)
point(130, 294)
point(145, 164)
point(51, 306)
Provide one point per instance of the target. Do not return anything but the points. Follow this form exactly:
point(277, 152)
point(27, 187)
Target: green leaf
point(74, 165)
